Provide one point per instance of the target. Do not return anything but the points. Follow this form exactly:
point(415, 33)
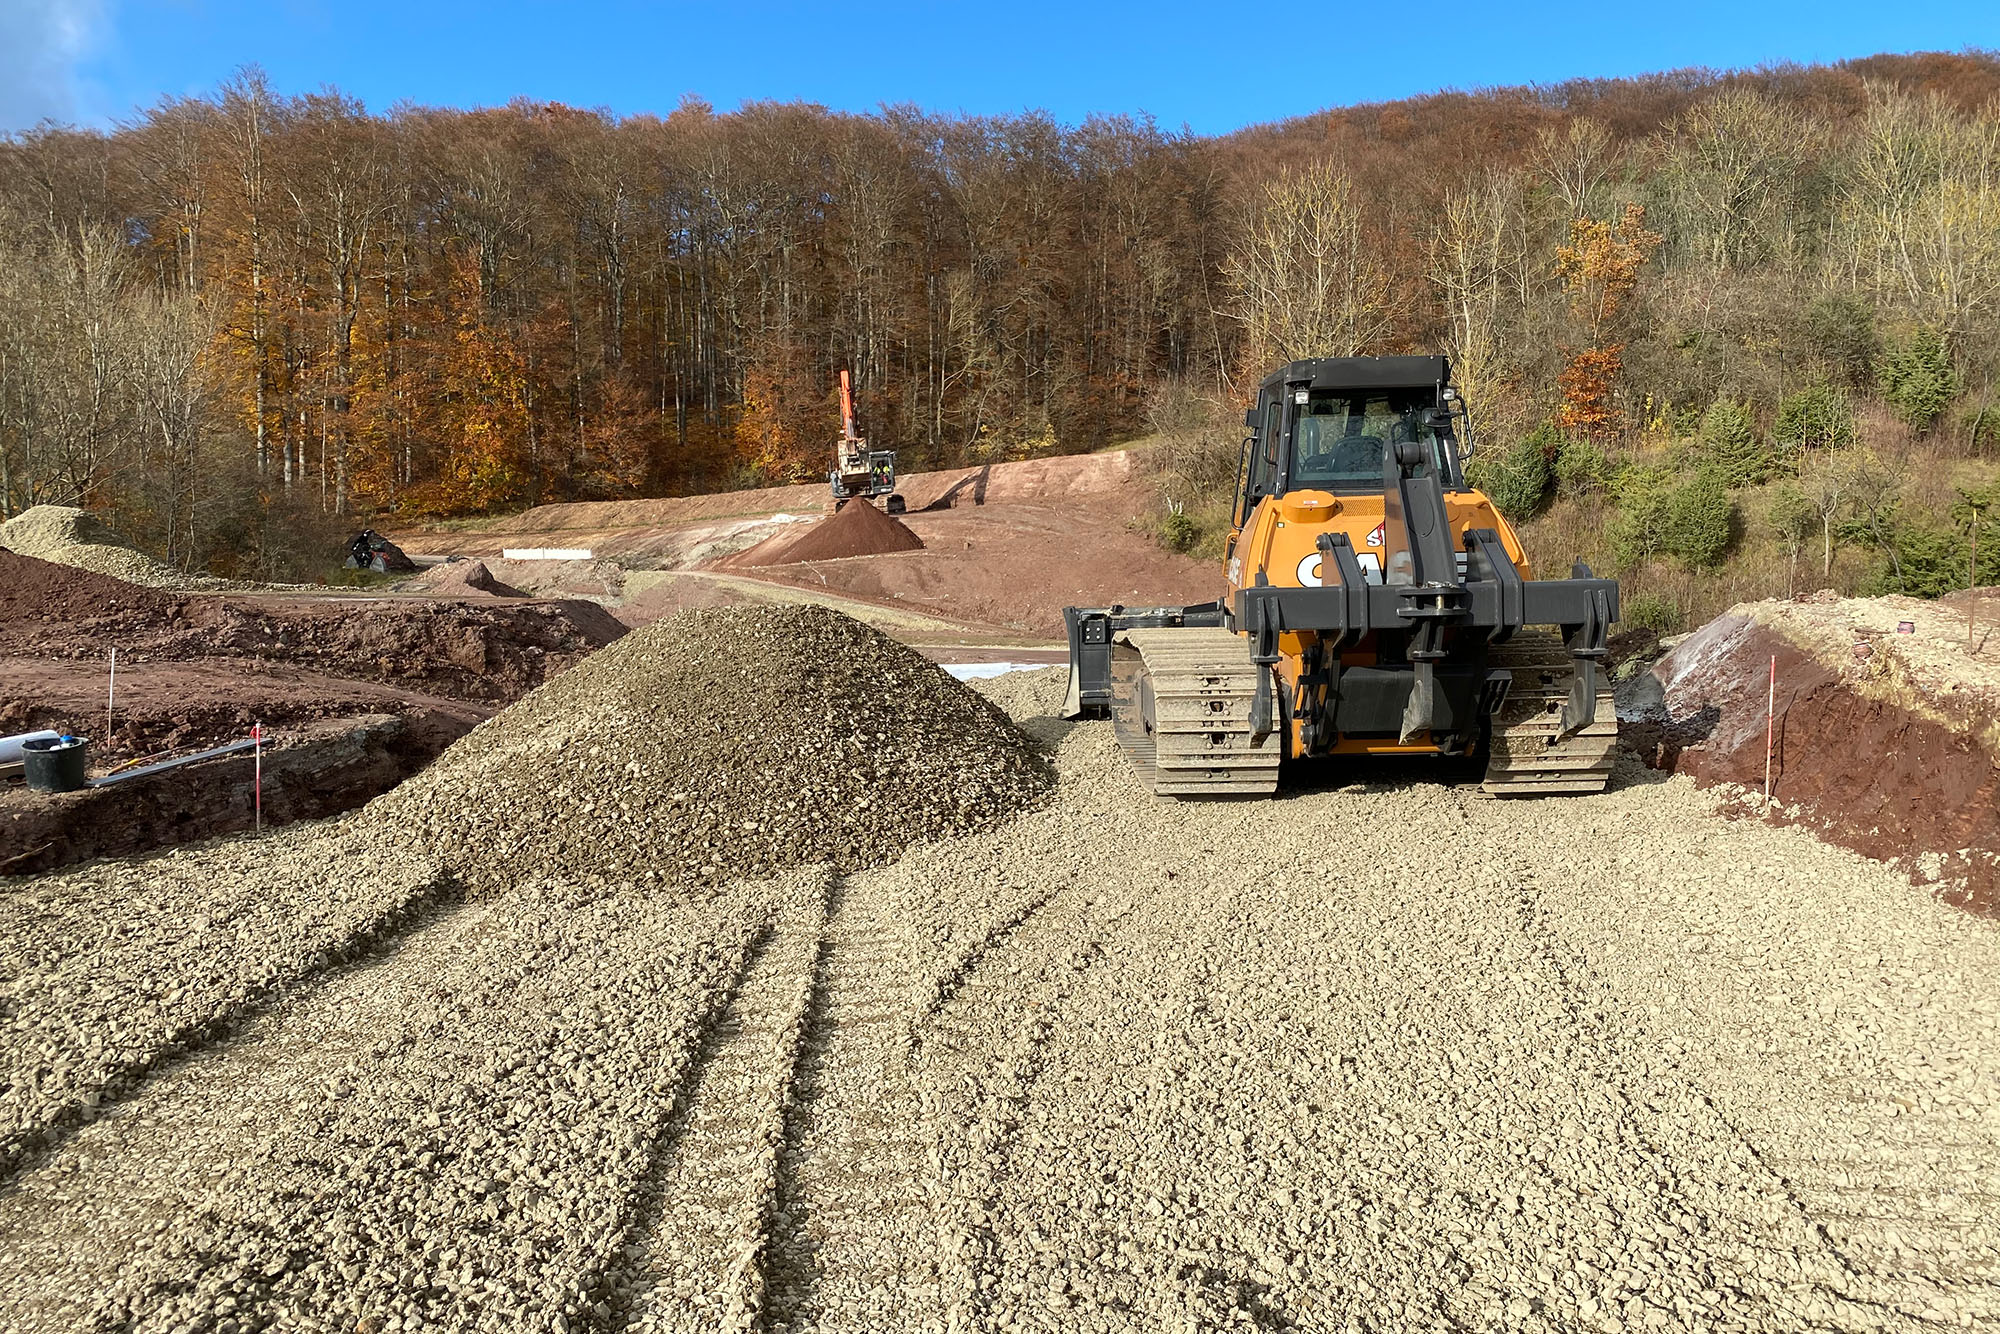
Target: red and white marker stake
point(257, 782)
point(1770, 728)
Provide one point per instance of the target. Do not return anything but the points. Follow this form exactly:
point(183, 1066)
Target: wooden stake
point(257, 782)
point(1971, 583)
point(111, 697)
point(1770, 728)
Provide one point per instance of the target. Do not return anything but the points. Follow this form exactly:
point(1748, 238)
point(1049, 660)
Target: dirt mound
point(466, 578)
point(723, 744)
point(39, 591)
point(73, 537)
point(489, 653)
point(857, 529)
point(1860, 751)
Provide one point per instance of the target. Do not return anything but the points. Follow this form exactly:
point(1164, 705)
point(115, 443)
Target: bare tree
point(1307, 283)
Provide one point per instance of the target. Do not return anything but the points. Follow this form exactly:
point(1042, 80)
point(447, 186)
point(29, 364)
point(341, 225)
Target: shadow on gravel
point(23, 1153)
point(1047, 731)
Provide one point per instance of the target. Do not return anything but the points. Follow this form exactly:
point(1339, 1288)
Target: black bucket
point(55, 765)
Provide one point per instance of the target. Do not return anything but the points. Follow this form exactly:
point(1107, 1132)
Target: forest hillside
point(1729, 333)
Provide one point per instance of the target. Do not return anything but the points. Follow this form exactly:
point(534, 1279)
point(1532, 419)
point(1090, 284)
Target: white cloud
point(41, 44)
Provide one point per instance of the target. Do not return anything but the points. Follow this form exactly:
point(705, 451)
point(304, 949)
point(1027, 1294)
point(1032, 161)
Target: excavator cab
point(1377, 604)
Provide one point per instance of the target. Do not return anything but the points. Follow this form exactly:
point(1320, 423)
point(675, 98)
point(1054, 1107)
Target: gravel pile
point(107, 971)
point(721, 744)
point(1115, 1065)
point(73, 537)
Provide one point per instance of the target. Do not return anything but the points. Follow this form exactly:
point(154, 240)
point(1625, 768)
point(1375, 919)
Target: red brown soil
point(195, 671)
point(177, 707)
point(470, 577)
point(1015, 566)
point(41, 590)
point(1006, 547)
point(1862, 772)
point(856, 529)
point(324, 769)
point(493, 652)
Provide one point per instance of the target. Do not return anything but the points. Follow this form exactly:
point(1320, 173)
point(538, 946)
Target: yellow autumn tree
point(1599, 269)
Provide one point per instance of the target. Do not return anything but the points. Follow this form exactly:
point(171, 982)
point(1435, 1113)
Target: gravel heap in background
point(70, 536)
point(722, 744)
point(106, 971)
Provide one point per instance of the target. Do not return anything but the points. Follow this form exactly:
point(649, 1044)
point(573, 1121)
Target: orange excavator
point(857, 469)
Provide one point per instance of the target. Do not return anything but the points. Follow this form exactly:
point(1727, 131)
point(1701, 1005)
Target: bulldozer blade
point(1417, 715)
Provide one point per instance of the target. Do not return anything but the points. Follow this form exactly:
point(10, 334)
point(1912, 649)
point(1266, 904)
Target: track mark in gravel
point(25, 1148)
point(697, 1242)
point(856, 1248)
point(73, 1219)
point(975, 1168)
point(946, 984)
point(1576, 982)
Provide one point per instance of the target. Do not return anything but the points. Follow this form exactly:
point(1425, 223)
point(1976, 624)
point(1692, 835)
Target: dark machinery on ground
point(369, 550)
point(1377, 605)
point(857, 469)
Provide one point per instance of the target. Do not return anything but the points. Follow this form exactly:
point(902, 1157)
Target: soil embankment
point(195, 671)
point(1880, 740)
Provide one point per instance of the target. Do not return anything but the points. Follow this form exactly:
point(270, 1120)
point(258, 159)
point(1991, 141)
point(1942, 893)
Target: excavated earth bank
point(196, 671)
point(1861, 752)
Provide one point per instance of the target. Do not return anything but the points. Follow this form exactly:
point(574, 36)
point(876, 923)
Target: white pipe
point(10, 746)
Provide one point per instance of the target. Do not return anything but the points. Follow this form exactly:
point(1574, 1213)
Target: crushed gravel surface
point(721, 744)
point(107, 971)
point(70, 536)
point(1373, 1056)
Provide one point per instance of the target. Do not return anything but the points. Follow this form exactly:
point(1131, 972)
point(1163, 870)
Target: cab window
point(1341, 436)
point(1264, 453)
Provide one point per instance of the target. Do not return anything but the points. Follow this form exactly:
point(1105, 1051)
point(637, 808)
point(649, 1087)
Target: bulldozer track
point(1180, 707)
point(1529, 756)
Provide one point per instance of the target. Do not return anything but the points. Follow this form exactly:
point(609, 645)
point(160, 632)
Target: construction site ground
point(1370, 1055)
point(1006, 548)
point(752, 975)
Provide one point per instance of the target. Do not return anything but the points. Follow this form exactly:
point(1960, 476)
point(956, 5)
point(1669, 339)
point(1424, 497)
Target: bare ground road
point(1366, 1057)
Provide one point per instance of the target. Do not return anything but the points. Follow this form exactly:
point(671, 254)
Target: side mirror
point(1250, 419)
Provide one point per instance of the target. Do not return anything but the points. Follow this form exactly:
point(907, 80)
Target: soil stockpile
point(70, 536)
point(464, 578)
point(36, 590)
point(720, 744)
point(1883, 742)
point(856, 529)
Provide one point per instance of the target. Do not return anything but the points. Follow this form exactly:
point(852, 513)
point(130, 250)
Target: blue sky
point(1213, 66)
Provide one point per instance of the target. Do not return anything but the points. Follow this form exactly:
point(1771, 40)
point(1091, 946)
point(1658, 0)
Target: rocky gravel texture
point(720, 744)
point(106, 972)
point(1369, 1056)
point(73, 537)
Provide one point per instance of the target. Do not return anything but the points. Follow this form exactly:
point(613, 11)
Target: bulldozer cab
point(1335, 424)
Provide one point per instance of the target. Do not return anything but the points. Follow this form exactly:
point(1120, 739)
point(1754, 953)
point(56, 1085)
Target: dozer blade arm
point(1091, 633)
